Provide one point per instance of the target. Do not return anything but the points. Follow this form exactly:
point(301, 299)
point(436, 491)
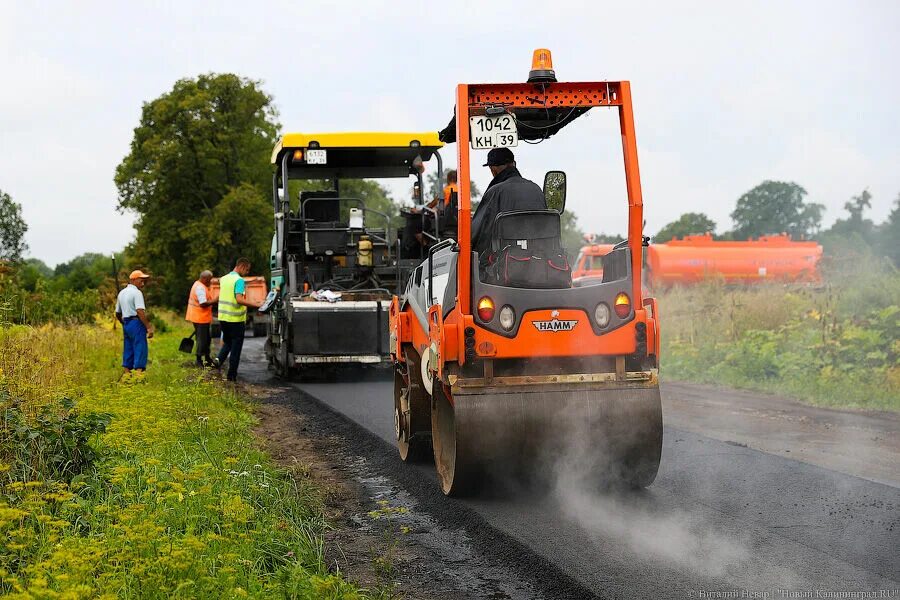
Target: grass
point(835, 345)
point(175, 501)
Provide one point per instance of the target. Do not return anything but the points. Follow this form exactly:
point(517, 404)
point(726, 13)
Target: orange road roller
point(501, 365)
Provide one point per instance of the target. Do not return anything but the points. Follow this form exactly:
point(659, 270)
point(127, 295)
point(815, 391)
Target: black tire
point(413, 444)
point(456, 459)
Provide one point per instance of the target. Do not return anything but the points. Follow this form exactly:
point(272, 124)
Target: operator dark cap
point(499, 156)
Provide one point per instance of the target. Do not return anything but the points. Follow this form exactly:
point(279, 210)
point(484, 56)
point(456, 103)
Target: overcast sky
point(725, 95)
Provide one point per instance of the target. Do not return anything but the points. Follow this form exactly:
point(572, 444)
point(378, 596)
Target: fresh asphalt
point(720, 517)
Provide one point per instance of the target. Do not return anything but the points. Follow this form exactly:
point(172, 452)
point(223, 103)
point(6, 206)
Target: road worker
point(131, 312)
point(508, 191)
point(448, 219)
point(233, 304)
point(199, 313)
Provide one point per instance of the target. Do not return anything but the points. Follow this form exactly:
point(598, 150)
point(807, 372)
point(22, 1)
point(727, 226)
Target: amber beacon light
point(542, 67)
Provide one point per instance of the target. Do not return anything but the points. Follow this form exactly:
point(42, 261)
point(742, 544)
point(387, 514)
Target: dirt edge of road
point(313, 442)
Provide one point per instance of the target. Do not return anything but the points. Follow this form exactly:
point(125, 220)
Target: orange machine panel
point(770, 258)
point(589, 263)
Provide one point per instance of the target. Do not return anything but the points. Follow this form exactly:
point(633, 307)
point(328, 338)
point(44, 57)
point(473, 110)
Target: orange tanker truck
point(501, 365)
point(698, 257)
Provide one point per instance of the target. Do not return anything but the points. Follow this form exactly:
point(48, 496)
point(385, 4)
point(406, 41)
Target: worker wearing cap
point(199, 313)
point(508, 191)
point(233, 305)
point(132, 313)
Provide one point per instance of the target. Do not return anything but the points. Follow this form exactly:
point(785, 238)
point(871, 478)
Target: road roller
point(502, 366)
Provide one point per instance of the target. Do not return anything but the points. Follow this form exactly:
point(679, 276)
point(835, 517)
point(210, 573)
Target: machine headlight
point(601, 315)
point(507, 317)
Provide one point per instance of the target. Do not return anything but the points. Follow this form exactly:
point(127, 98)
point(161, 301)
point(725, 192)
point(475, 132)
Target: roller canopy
point(533, 123)
point(357, 155)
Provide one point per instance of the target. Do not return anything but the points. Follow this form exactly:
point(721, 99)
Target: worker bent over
point(199, 313)
point(132, 314)
point(233, 305)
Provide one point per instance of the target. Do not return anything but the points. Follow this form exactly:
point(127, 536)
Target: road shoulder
point(864, 444)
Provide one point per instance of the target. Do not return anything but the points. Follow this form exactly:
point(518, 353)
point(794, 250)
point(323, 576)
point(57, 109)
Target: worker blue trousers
point(232, 343)
point(134, 352)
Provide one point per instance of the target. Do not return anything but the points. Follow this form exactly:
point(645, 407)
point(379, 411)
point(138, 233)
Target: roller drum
point(612, 434)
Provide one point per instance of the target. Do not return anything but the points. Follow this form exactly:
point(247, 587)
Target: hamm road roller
point(501, 365)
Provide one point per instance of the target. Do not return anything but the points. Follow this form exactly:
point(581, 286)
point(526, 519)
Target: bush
point(838, 344)
point(53, 446)
point(19, 306)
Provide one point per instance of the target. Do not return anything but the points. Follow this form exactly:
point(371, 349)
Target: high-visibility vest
point(229, 310)
point(195, 312)
point(449, 189)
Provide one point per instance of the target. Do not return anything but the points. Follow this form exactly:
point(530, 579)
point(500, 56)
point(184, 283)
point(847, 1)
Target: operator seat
point(323, 207)
point(526, 251)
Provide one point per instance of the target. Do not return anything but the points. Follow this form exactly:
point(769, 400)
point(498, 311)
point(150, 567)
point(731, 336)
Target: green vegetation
point(837, 345)
point(195, 145)
point(775, 207)
point(12, 229)
point(687, 224)
point(148, 490)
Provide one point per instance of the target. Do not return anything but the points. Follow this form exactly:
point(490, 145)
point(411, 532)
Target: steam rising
point(683, 540)
point(636, 518)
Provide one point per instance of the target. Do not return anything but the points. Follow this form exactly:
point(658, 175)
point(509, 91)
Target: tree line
point(774, 207)
point(198, 178)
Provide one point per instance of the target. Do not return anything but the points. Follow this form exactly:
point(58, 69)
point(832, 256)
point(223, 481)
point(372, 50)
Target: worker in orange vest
point(199, 312)
point(448, 220)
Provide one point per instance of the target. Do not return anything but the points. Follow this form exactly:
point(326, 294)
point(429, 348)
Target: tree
point(12, 229)
point(193, 144)
point(889, 234)
point(855, 224)
point(31, 271)
point(774, 207)
point(83, 272)
point(571, 234)
point(241, 224)
point(687, 224)
point(855, 234)
point(605, 238)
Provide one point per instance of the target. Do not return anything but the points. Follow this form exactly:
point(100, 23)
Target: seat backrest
point(537, 230)
point(326, 208)
point(449, 223)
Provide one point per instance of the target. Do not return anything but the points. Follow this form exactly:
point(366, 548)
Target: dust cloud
point(682, 540)
point(636, 518)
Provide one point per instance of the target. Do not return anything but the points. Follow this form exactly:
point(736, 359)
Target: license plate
point(316, 157)
point(493, 132)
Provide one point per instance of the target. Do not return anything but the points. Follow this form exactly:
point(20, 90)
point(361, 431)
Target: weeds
point(837, 345)
point(146, 491)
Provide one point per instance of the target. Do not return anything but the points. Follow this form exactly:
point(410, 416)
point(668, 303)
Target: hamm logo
point(555, 325)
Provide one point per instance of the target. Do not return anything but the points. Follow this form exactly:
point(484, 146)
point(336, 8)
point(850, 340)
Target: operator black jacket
point(508, 191)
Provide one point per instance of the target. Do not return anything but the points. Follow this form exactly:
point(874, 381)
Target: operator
point(131, 312)
point(233, 305)
point(199, 313)
point(449, 190)
point(447, 209)
point(508, 191)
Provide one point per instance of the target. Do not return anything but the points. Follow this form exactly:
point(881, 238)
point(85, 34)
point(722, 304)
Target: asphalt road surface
point(720, 517)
